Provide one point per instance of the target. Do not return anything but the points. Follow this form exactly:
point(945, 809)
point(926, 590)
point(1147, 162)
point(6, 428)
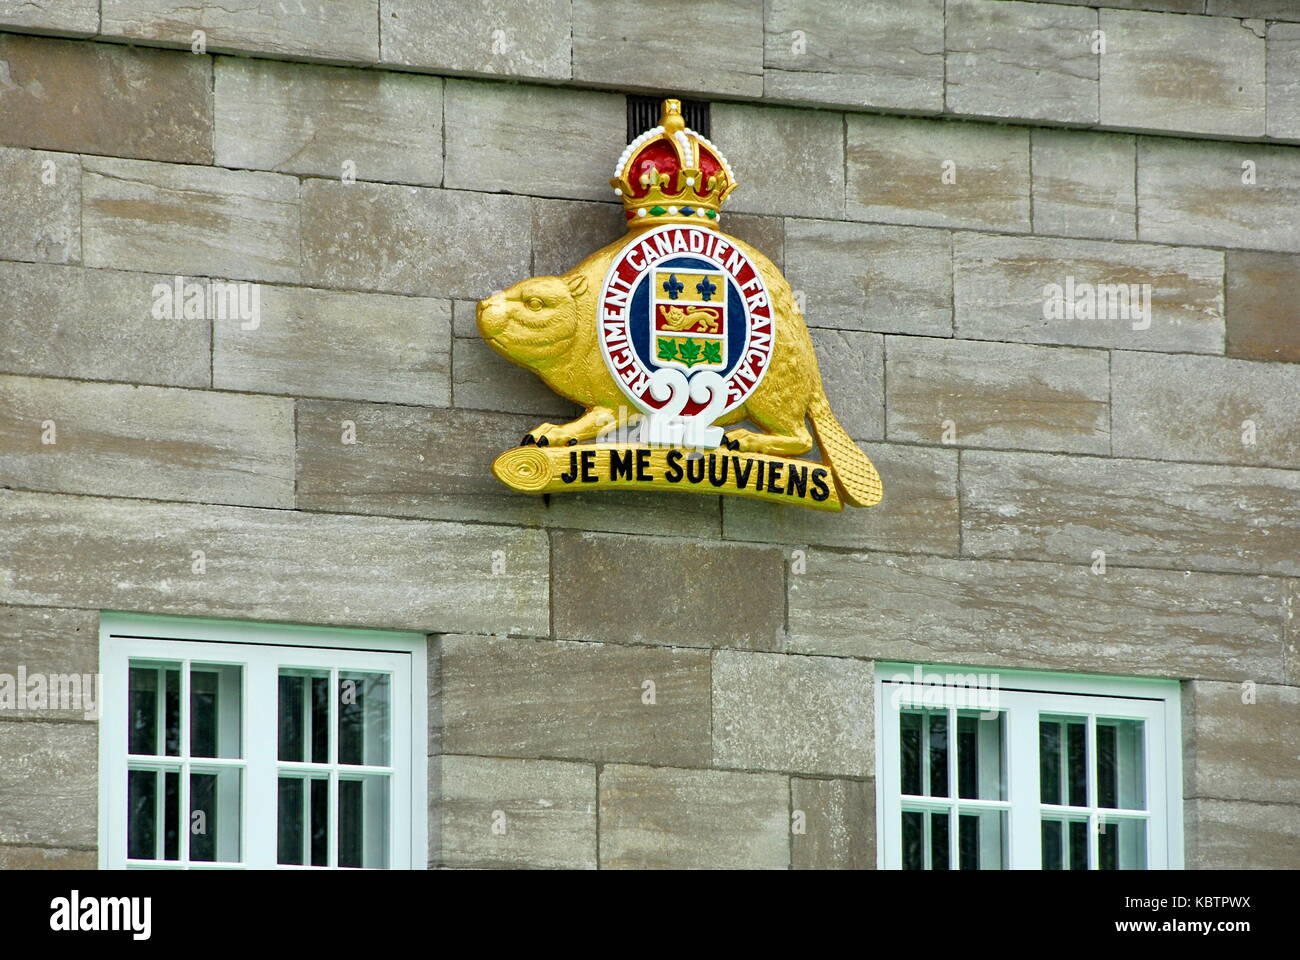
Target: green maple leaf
point(690, 353)
point(713, 352)
point(667, 349)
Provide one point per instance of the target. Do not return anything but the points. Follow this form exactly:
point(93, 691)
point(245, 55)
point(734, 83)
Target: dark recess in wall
point(643, 113)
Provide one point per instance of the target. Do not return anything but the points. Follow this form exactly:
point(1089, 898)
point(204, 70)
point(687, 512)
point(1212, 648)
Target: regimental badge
point(668, 337)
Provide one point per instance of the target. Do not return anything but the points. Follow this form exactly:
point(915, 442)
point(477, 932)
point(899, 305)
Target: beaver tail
point(855, 474)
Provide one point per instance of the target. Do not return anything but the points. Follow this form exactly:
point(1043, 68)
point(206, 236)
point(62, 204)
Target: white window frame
point(1023, 695)
point(125, 637)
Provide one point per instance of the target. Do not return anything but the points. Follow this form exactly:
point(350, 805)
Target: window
point(993, 770)
point(228, 745)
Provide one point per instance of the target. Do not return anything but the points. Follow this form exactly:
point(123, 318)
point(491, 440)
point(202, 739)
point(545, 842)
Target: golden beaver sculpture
point(548, 324)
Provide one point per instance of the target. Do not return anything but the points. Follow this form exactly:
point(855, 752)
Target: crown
point(671, 174)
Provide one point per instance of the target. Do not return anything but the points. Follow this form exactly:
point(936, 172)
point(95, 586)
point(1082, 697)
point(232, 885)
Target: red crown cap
point(671, 174)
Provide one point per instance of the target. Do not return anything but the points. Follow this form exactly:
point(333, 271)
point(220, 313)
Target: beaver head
point(535, 322)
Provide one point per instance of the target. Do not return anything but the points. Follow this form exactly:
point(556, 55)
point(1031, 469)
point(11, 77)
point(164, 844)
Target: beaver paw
point(546, 435)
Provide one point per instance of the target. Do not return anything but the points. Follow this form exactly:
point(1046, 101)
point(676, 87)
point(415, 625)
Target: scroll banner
point(611, 466)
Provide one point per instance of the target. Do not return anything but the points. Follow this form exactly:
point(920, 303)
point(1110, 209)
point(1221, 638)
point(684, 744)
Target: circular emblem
point(684, 298)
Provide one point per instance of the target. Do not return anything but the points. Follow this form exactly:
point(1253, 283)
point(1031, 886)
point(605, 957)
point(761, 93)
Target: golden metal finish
point(548, 324)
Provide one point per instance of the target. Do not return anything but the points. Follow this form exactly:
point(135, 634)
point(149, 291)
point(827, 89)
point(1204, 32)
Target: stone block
point(1263, 306)
point(1037, 616)
point(1084, 184)
point(651, 45)
point(504, 138)
point(526, 38)
point(193, 221)
point(512, 814)
point(85, 324)
point(936, 173)
point(664, 818)
point(153, 442)
point(1141, 513)
point(1212, 409)
point(334, 31)
point(1088, 293)
point(839, 824)
point(573, 701)
point(775, 711)
point(981, 394)
point(865, 54)
point(863, 276)
point(667, 591)
point(103, 553)
point(325, 343)
point(1218, 194)
point(41, 196)
point(102, 98)
point(412, 240)
point(49, 784)
point(1186, 74)
point(786, 161)
point(328, 121)
point(1032, 61)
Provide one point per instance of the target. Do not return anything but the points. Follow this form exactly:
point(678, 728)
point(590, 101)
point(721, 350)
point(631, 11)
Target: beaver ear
point(577, 283)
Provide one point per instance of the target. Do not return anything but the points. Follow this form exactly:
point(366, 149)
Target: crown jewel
point(671, 174)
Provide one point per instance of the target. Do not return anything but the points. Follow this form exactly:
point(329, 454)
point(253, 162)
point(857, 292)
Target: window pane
point(172, 701)
point(938, 741)
point(215, 711)
point(319, 816)
point(1053, 845)
point(939, 841)
point(909, 736)
point(1078, 844)
point(1121, 780)
point(980, 763)
point(1049, 762)
point(320, 719)
point(292, 723)
point(363, 718)
point(303, 821)
point(980, 839)
point(142, 733)
point(304, 716)
point(363, 822)
point(154, 697)
point(913, 837)
point(1077, 762)
point(1122, 845)
point(1065, 844)
point(142, 814)
point(172, 815)
point(289, 821)
point(214, 815)
point(1063, 760)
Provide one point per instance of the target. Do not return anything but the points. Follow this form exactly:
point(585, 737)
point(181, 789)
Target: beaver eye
point(534, 303)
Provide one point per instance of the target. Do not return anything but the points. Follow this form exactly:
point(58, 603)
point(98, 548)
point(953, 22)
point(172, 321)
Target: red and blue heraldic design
point(684, 297)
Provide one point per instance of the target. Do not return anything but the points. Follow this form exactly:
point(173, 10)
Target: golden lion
point(695, 320)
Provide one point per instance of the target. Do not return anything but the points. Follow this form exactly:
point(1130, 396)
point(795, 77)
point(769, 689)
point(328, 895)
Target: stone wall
point(1012, 447)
